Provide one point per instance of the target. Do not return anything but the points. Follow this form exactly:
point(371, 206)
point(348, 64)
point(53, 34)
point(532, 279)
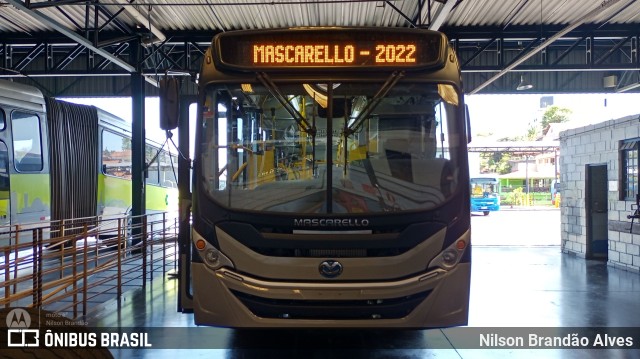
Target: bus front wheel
point(486, 213)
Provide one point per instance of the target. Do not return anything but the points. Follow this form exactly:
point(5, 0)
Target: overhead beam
point(628, 87)
point(603, 7)
point(442, 14)
point(44, 19)
point(64, 58)
point(40, 5)
point(144, 21)
point(35, 51)
point(515, 147)
point(413, 24)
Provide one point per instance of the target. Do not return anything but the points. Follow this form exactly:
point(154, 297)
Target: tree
point(126, 143)
point(511, 139)
point(495, 162)
point(555, 114)
point(532, 133)
point(498, 162)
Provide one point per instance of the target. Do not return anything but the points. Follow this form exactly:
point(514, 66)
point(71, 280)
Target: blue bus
point(484, 195)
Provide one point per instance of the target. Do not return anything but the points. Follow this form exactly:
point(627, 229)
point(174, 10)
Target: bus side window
point(27, 142)
point(152, 169)
point(4, 161)
point(5, 185)
point(4, 169)
point(168, 163)
point(116, 155)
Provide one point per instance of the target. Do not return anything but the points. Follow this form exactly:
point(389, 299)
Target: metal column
point(138, 194)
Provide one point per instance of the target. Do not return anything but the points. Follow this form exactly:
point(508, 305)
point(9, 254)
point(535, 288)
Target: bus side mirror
point(169, 103)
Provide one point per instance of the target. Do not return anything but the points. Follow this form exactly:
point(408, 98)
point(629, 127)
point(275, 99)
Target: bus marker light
point(460, 245)
point(200, 244)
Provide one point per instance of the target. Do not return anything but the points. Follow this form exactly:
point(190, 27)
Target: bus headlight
point(211, 256)
point(448, 258)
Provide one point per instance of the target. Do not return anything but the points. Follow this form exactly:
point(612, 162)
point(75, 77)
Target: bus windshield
point(348, 147)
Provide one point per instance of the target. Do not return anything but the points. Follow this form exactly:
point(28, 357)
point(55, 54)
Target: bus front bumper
point(435, 298)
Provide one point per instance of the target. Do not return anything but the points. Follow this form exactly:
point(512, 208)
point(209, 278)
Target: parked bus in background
point(330, 182)
point(484, 194)
point(61, 161)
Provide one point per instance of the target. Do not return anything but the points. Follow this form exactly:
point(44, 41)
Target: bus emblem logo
point(330, 269)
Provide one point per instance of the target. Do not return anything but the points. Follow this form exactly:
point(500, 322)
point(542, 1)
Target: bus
point(61, 161)
point(330, 182)
point(485, 196)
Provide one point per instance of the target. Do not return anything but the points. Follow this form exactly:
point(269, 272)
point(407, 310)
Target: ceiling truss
point(59, 62)
point(576, 62)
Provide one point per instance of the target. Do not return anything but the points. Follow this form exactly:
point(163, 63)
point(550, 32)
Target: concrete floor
point(514, 288)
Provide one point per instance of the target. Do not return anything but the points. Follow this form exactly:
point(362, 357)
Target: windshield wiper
point(297, 116)
point(371, 173)
point(386, 87)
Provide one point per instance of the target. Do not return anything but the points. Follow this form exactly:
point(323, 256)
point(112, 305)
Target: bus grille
point(336, 253)
point(331, 309)
point(333, 253)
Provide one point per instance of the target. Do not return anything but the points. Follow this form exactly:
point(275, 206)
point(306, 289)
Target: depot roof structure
point(81, 48)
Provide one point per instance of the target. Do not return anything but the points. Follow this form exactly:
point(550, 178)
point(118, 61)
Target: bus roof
point(484, 179)
point(21, 96)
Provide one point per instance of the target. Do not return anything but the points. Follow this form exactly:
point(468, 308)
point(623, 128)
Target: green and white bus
point(62, 161)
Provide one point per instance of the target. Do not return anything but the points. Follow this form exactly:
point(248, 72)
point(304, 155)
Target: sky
point(511, 115)
point(498, 115)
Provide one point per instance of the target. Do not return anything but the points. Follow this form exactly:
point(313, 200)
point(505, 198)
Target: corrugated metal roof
point(215, 15)
point(610, 53)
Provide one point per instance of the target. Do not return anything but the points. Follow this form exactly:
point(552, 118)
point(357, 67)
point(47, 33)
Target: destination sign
point(329, 48)
point(327, 55)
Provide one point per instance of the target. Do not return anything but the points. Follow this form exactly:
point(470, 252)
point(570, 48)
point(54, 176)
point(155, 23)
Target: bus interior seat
point(410, 159)
point(412, 143)
point(428, 172)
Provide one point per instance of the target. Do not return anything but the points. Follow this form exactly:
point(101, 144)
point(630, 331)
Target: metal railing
point(72, 266)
